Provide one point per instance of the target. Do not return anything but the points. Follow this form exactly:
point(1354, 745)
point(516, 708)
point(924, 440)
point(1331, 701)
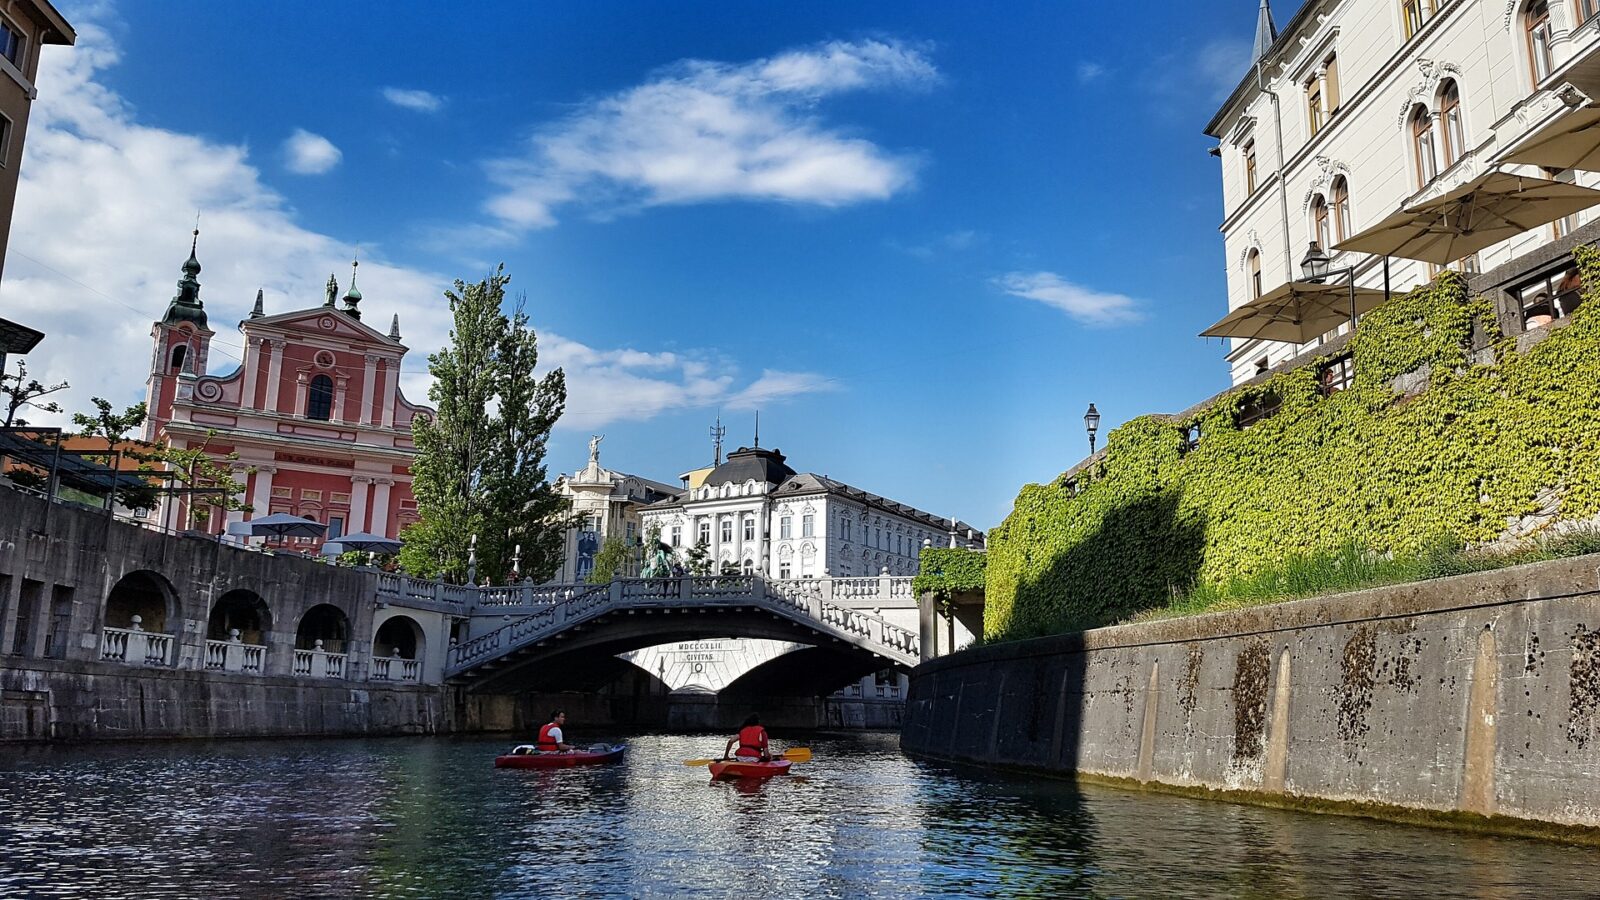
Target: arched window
point(1454, 134)
point(319, 399)
point(1339, 207)
point(1320, 227)
point(1536, 19)
point(179, 353)
point(1422, 145)
point(1417, 13)
point(1253, 266)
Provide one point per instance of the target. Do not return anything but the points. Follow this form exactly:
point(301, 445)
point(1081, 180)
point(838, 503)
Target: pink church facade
point(315, 413)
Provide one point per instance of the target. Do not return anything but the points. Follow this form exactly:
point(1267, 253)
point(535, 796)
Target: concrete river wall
point(1467, 699)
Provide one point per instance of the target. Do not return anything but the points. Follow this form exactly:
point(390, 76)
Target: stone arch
point(399, 636)
point(147, 595)
point(242, 610)
point(326, 623)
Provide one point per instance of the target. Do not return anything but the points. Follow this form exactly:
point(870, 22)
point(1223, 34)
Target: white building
point(604, 504)
point(1361, 107)
point(756, 514)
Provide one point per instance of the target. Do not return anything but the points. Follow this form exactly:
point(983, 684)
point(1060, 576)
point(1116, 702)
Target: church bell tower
point(181, 344)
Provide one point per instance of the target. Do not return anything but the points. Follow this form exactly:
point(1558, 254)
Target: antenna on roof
point(718, 432)
point(758, 429)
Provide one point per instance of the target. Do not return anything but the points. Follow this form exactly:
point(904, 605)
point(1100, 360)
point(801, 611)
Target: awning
point(1296, 312)
point(1570, 142)
point(71, 468)
point(1479, 214)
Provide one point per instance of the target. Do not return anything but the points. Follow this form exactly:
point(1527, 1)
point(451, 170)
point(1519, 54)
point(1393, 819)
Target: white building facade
point(1362, 107)
point(604, 504)
point(755, 514)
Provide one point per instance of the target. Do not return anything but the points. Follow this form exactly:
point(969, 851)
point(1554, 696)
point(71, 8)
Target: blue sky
point(919, 237)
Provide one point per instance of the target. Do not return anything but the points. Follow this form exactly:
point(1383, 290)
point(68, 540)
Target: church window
point(179, 353)
point(319, 398)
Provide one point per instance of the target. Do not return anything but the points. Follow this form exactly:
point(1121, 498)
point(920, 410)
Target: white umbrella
point(1481, 213)
point(1296, 312)
point(1570, 142)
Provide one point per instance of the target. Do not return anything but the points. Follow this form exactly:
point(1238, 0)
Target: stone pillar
point(10, 602)
point(341, 409)
point(358, 502)
point(368, 389)
point(391, 391)
point(301, 394)
point(274, 372)
point(380, 507)
point(927, 627)
point(252, 371)
point(261, 495)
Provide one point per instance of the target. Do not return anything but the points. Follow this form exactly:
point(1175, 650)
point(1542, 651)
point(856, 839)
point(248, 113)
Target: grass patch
point(1353, 568)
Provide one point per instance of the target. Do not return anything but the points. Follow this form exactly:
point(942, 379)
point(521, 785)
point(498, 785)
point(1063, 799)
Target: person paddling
point(550, 736)
point(751, 741)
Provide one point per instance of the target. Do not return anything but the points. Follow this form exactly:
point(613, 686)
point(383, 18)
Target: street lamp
point(1315, 268)
point(1091, 422)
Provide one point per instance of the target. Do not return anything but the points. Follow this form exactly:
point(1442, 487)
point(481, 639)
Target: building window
point(1320, 231)
point(1455, 136)
point(705, 531)
point(844, 529)
point(727, 530)
point(749, 528)
point(784, 528)
point(630, 531)
point(1258, 409)
point(5, 141)
point(335, 527)
point(1330, 81)
point(784, 571)
point(1422, 145)
point(1587, 9)
point(1565, 225)
point(1339, 207)
point(807, 525)
point(1337, 376)
point(1262, 365)
point(1315, 112)
point(319, 398)
point(1250, 166)
point(1253, 266)
point(677, 535)
point(1549, 297)
point(11, 42)
point(1537, 22)
point(1416, 13)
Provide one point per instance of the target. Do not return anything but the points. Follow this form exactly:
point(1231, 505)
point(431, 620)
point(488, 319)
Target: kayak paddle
point(793, 754)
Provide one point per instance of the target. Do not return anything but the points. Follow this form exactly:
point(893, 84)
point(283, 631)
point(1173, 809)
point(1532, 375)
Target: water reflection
point(431, 818)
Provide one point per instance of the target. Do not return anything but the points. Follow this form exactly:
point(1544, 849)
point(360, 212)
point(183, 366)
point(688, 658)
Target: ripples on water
point(429, 817)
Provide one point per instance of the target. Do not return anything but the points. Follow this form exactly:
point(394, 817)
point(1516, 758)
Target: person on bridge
point(550, 736)
point(751, 741)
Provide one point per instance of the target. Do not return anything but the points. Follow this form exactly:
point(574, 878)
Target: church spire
point(1266, 33)
point(260, 308)
point(352, 297)
point(394, 328)
point(186, 305)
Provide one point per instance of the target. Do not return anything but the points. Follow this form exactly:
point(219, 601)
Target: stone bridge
point(524, 637)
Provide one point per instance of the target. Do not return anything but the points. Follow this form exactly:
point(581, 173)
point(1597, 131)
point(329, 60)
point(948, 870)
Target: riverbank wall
point(1471, 699)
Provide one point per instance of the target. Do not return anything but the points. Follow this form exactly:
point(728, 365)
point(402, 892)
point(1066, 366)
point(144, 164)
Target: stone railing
point(806, 600)
point(318, 663)
point(403, 587)
point(135, 646)
point(394, 668)
point(233, 655)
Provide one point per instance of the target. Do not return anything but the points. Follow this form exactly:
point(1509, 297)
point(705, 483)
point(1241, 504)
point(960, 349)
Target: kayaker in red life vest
point(751, 741)
point(550, 736)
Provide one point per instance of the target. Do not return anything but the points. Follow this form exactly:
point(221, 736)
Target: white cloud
point(1222, 63)
point(704, 131)
point(101, 227)
point(305, 153)
point(1090, 71)
point(1088, 306)
point(955, 241)
point(420, 101)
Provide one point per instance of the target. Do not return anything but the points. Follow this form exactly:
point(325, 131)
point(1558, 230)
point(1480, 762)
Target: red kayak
point(525, 757)
point(732, 769)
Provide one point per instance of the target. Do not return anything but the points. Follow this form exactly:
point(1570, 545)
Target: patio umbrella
point(365, 542)
point(1483, 212)
point(1296, 312)
point(1570, 142)
point(284, 525)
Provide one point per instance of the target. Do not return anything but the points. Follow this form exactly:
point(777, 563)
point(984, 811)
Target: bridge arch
point(399, 636)
point(144, 594)
point(326, 623)
point(806, 671)
point(240, 609)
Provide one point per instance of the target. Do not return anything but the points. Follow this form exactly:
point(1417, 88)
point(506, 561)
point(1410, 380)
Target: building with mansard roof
point(756, 514)
point(314, 412)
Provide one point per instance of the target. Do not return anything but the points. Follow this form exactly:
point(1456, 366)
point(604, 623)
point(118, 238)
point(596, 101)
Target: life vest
point(547, 743)
point(752, 741)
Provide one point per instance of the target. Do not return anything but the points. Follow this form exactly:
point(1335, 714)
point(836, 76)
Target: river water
point(430, 817)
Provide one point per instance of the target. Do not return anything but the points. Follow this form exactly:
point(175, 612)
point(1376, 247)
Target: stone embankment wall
point(1457, 698)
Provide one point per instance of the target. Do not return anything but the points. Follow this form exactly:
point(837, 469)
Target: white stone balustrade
point(395, 668)
point(135, 645)
point(318, 663)
point(233, 655)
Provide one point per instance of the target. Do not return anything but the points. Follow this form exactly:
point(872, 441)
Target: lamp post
point(1091, 422)
point(1315, 268)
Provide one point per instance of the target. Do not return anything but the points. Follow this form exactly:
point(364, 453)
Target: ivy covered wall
point(1431, 443)
point(948, 571)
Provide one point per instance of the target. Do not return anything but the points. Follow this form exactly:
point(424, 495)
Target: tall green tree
point(480, 466)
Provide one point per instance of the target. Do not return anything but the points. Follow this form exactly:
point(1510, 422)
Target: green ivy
point(1469, 449)
point(945, 572)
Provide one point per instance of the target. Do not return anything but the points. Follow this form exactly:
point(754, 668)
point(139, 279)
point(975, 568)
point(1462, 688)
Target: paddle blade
point(698, 762)
point(797, 754)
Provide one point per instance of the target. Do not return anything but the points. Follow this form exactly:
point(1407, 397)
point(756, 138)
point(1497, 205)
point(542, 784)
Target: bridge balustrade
point(396, 668)
point(235, 656)
point(133, 645)
point(403, 587)
point(319, 663)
